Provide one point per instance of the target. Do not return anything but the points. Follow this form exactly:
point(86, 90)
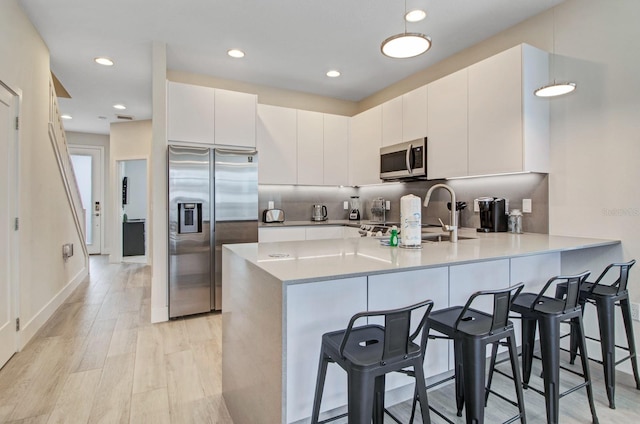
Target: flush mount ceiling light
point(415, 15)
point(406, 44)
point(333, 73)
point(235, 53)
point(103, 61)
point(119, 107)
point(556, 88)
point(66, 117)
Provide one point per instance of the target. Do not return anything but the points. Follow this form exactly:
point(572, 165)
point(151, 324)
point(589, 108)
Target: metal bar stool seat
point(605, 297)
point(367, 354)
point(471, 331)
point(548, 313)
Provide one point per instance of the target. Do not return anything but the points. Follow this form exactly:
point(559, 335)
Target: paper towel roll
point(411, 221)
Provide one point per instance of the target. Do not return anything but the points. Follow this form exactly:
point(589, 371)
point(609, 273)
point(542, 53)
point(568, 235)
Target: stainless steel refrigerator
point(213, 200)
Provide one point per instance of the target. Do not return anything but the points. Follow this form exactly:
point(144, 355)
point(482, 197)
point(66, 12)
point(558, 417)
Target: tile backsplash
point(298, 200)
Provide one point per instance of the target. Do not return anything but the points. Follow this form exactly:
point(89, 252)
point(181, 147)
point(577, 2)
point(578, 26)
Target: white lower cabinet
point(389, 291)
point(312, 310)
point(351, 232)
point(316, 232)
point(324, 232)
point(464, 280)
point(534, 271)
point(270, 234)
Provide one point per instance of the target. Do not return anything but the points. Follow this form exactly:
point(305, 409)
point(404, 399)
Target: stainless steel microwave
point(404, 161)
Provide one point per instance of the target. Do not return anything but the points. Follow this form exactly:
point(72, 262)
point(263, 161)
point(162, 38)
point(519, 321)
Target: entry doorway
point(132, 176)
point(88, 168)
point(9, 224)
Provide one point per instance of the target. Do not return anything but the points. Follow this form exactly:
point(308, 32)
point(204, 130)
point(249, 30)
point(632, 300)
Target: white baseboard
point(29, 329)
point(159, 314)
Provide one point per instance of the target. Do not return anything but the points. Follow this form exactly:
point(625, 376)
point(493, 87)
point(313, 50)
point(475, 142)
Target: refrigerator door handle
point(236, 152)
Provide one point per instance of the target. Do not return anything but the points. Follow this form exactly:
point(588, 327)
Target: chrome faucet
point(452, 228)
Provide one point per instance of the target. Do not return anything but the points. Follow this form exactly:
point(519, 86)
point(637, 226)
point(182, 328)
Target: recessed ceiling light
point(415, 15)
point(102, 117)
point(103, 61)
point(333, 73)
point(235, 53)
point(66, 117)
point(119, 106)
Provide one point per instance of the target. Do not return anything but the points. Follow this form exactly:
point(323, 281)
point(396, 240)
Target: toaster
point(273, 215)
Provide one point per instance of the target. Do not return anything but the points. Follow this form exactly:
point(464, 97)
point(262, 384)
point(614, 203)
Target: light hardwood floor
point(99, 360)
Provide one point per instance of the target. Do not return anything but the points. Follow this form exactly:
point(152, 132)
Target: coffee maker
point(493, 215)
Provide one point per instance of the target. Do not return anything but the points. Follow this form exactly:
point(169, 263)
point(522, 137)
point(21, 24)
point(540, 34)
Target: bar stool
point(472, 330)
point(605, 297)
point(549, 312)
point(369, 352)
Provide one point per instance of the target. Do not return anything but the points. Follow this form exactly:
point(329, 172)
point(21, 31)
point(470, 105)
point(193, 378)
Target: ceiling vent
point(125, 117)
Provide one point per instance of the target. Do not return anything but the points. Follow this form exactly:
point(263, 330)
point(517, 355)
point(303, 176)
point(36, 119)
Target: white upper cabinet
point(235, 118)
point(447, 141)
point(364, 147)
point(197, 114)
point(414, 114)
point(405, 117)
point(190, 113)
point(508, 125)
point(336, 150)
point(277, 145)
point(392, 122)
point(310, 147)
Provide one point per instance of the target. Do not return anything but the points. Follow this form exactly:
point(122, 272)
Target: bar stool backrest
point(571, 285)
point(623, 278)
point(397, 337)
point(502, 300)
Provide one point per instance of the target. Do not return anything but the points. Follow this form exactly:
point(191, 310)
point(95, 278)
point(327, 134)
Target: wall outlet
point(526, 205)
point(270, 204)
point(345, 205)
point(476, 206)
point(635, 311)
point(67, 251)
point(387, 205)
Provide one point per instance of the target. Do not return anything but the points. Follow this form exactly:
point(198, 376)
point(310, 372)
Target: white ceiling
point(289, 44)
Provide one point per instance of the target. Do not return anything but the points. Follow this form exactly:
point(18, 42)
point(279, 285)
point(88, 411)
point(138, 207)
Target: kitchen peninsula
point(279, 298)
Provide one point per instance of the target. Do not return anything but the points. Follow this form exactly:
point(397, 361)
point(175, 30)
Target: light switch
point(476, 206)
point(526, 205)
point(270, 204)
point(387, 206)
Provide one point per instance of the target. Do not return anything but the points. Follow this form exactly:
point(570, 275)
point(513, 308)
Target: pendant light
point(556, 88)
point(406, 44)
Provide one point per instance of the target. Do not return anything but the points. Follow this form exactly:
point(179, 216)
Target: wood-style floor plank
point(150, 407)
point(76, 399)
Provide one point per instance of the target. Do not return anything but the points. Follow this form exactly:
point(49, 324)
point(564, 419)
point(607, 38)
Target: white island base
point(279, 298)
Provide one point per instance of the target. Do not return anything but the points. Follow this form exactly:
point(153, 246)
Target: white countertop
point(314, 260)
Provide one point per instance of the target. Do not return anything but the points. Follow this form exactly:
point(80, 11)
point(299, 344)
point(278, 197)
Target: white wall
point(128, 140)
point(45, 216)
point(99, 140)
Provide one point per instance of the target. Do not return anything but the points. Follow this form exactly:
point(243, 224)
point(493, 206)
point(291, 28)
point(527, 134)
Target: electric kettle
point(318, 213)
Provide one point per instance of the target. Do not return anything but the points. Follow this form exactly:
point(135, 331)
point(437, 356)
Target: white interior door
point(87, 165)
point(8, 136)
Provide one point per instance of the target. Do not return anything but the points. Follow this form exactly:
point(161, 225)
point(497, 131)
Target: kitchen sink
point(436, 238)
